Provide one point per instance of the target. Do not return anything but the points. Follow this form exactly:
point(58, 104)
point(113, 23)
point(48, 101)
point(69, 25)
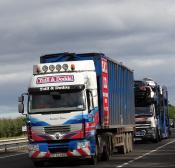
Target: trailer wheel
point(156, 139)
point(127, 142)
point(122, 149)
point(93, 160)
point(105, 155)
point(131, 142)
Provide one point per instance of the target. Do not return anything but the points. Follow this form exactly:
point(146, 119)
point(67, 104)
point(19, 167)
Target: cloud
point(147, 63)
point(140, 33)
point(69, 25)
point(8, 112)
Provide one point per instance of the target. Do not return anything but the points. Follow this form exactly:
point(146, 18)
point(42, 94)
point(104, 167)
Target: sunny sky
point(139, 33)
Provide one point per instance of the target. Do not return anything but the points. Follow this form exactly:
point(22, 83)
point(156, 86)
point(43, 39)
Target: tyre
point(105, 155)
point(106, 148)
point(160, 136)
point(127, 142)
point(130, 142)
point(122, 149)
point(156, 139)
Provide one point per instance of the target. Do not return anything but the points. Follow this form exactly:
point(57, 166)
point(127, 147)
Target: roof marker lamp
point(72, 67)
point(45, 68)
point(52, 67)
point(58, 67)
point(36, 69)
point(65, 67)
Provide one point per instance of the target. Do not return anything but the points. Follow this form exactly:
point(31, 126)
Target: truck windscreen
point(60, 101)
point(144, 111)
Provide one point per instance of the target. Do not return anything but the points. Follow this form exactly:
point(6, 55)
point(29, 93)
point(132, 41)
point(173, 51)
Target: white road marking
point(3, 157)
point(148, 153)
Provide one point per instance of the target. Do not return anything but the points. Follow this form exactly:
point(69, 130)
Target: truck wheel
point(122, 149)
point(131, 138)
point(130, 142)
point(127, 143)
point(105, 147)
point(105, 155)
point(156, 139)
point(160, 136)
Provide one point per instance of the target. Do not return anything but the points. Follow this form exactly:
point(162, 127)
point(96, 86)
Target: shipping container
point(120, 84)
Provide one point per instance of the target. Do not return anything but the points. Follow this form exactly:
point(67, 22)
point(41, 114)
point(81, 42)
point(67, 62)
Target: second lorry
point(151, 111)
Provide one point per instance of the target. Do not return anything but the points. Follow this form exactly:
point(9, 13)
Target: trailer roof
point(71, 57)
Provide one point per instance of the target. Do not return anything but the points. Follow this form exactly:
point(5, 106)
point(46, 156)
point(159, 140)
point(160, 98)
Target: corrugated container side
point(120, 85)
point(121, 94)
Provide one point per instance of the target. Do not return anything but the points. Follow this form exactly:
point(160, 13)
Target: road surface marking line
point(3, 157)
point(148, 153)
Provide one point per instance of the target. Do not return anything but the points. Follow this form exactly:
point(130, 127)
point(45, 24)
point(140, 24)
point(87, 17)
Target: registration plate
point(59, 155)
point(140, 133)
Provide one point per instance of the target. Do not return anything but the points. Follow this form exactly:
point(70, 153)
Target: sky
point(139, 33)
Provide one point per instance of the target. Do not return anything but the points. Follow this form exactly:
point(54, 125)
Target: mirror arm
point(23, 94)
point(92, 99)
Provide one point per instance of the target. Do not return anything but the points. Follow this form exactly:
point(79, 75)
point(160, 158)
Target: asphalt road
point(145, 155)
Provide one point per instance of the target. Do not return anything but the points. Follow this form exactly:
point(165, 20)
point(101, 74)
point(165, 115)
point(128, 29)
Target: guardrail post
point(18, 145)
point(5, 147)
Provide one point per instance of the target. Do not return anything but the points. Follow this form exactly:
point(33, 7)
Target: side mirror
point(21, 99)
point(21, 103)
point(21, 108)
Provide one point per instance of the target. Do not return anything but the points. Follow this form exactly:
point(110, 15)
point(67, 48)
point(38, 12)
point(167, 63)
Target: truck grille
point(55, 129)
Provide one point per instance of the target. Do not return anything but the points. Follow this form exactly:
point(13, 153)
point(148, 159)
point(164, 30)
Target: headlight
point(32, 147)
point(83, 144)
point(151, 131)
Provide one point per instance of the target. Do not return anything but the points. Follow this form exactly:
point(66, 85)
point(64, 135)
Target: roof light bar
point(45, 68)
point(65, 67)
point(58, 67)
point(52, 67)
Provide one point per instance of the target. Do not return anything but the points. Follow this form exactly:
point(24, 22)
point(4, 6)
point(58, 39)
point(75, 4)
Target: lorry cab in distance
point(151, 111)
point(79, 106)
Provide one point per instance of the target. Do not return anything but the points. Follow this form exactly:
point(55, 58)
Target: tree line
point(11, 127)
point(171, 111)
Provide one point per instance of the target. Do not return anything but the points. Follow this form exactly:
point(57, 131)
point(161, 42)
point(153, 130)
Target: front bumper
point(145, 133)
point(71, 149)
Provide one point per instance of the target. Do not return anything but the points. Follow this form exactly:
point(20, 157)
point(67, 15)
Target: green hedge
point(11, 127)
point(172, 111)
